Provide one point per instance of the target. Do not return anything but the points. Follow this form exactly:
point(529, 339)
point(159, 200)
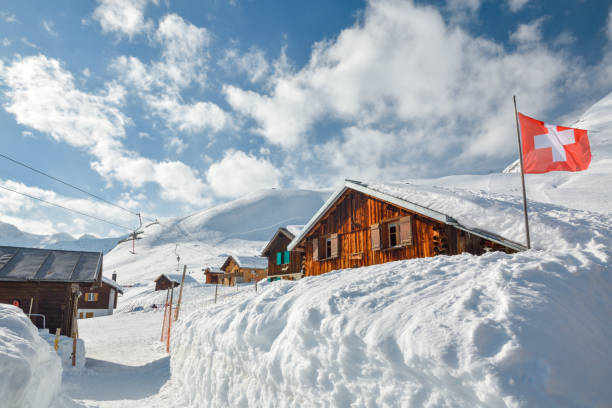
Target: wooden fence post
point(57, 336)
point(178, 306)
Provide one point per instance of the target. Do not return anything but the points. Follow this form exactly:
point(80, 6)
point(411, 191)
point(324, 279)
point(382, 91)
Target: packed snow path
point(125, 362)
point(127, 365)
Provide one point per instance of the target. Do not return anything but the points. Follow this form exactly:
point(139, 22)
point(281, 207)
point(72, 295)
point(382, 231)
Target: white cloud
point(48, 26)
point(183, 63)
point(8, 18)
point(190, 118)
point(516, 5)
point(528, 33)
point(43, 96)
point(401, 70)
point(28, 43)
point(122, 16)
point(564, 39)
point(5, 42)
point(35, 217)
point(238, 173)
point(176, 144)
point(253, 63)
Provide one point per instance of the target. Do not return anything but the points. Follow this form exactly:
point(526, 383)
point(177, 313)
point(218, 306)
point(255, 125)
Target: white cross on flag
point(553, 148)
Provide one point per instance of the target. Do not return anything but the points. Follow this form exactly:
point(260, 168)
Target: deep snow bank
point(30, 370)
point(530, 329)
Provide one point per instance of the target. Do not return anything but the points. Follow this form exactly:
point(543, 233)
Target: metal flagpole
point(520, 149)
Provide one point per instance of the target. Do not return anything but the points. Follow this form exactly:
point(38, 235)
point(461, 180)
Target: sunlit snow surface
point(30, 369)
point(529, 329)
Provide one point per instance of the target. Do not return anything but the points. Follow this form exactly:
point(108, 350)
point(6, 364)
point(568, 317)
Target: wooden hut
point(100, 301)
point(282, 263)
point(244, 269)
point(51, 281)
point(167, 281)
point(214, 275)
point(361, 226)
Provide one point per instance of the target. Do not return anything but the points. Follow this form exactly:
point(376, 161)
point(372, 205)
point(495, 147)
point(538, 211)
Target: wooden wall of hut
point(295, 257)
point(352, 218)
point(53, 300)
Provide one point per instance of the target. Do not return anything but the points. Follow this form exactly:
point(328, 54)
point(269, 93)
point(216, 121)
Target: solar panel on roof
point(25, 264)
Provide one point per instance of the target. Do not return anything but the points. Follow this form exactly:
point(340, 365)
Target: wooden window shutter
point(279, 259)
point(375, 234)
point(334, 246)
point(405, 230)
point(96, 297)
point(286, 257)
point(315, 249)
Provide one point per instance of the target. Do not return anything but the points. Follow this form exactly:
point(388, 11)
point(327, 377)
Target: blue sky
point(170, 107)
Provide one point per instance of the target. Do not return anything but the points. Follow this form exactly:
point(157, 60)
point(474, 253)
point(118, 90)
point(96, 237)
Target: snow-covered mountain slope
point(240, 227)
point(13, 236)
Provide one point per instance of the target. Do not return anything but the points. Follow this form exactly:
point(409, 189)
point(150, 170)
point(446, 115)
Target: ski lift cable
point(66, 208)
point(73, 186)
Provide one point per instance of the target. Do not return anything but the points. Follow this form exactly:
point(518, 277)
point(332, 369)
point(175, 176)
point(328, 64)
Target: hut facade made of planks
point(238, 269)
point(360, 226)
point(283, 263)
point(167, 281)
point(51, 281)
point(214, 275)
point(100, 301)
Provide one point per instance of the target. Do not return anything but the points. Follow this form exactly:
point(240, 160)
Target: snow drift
point(528, 329)
point(31, 370)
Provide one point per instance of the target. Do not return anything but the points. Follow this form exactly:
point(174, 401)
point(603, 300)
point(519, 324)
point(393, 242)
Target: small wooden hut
point(100, 301)
point(214, 275)
point(243, 269)
point(361, 226)
point(47, 283)
point(166, 281)
point(282, 263)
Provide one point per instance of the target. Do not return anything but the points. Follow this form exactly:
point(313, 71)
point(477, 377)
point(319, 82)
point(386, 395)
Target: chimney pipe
point(115, 276)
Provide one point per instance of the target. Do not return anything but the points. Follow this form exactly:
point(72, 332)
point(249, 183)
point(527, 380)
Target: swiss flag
point(553, 148)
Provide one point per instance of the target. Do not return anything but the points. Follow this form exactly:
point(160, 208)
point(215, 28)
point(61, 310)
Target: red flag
point(553, 148)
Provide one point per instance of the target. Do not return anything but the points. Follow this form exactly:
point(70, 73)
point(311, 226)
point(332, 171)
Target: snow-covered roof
point(253, 262)
point(281, 231)
point(459, 208)
point(176, 277)
point(112, 284)
point(214, 269)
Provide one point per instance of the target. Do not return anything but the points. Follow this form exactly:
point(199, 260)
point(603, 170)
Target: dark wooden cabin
point(214, 275)
point(50, 280)
point(100, 301)
point(359, 226)
point(283, 263)
point(244, 269)
point(166, 281)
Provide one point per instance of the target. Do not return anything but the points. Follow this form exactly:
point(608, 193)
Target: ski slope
point(240, 227)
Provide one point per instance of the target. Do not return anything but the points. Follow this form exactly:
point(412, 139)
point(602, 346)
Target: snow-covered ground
point(527, 329)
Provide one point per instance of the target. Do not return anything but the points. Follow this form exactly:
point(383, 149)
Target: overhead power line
point(72, 186)
point(66, 208)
